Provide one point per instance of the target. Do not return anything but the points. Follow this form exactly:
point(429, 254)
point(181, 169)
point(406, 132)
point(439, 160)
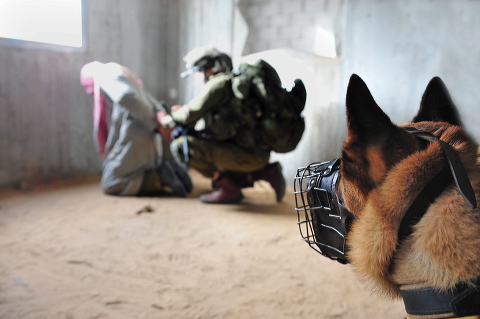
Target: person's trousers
point(208, 156)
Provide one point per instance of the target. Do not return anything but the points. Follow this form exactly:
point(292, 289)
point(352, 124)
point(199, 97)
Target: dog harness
point(463, 300)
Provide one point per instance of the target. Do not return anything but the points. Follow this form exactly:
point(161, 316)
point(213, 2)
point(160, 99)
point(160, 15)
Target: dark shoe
point(226, 192)
point(175, 177)
point(272, 173)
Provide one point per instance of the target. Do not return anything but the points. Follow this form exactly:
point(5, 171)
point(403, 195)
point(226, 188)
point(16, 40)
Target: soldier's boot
point(225, 192)
point(272, 173)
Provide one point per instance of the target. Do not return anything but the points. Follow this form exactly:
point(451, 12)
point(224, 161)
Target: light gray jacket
point(133, 146)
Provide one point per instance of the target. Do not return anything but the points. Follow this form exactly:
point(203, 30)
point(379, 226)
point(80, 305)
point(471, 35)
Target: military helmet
point(205, 58)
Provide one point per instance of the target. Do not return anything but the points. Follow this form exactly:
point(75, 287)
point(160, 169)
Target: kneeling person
point(125, 130)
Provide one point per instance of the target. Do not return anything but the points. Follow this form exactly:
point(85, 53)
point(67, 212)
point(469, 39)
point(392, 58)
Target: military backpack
point(278, 119)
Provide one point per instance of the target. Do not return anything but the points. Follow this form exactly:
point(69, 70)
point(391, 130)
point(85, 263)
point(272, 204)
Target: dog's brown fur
point(383, 170)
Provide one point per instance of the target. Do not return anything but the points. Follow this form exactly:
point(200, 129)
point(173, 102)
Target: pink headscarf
point(100, 129)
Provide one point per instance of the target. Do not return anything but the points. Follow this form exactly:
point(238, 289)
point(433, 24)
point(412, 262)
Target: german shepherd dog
point(400, 205)
point(413, 238)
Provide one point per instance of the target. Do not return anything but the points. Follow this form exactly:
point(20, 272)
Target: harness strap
point(462, 300)
point(458, 171)
point(419, 206)
point(454, 172)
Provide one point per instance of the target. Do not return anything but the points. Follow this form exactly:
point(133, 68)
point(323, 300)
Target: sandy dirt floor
point(68, 251)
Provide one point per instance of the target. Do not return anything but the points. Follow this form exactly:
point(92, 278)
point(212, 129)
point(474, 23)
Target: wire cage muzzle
point(322, 218)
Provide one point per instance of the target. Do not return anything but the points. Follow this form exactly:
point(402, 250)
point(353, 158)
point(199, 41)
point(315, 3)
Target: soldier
point(217, 133)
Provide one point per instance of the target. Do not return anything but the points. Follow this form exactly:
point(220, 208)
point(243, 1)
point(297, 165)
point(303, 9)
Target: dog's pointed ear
point(437, 105)
point(364, 117)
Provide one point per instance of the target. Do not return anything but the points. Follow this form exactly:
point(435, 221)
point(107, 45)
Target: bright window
point(46, 21)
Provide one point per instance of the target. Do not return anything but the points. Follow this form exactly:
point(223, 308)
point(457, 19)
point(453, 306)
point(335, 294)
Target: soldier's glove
point(175, 177)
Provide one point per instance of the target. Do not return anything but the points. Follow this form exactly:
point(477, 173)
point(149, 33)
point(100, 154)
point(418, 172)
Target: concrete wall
point(199, 22)
point(290, 24)
point(303, 39)
point(396, 46)
point(45, 116)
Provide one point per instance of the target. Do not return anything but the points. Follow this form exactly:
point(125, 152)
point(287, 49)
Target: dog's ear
point(437, 105)
point(364, 163)
point(369, 129)
point(364, 117)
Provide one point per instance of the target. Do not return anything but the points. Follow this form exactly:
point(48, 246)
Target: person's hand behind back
point(164, 131)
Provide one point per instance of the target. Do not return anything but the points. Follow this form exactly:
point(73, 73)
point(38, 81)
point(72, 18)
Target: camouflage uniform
point(225, 137)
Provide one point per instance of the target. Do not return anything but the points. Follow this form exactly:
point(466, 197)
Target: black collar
point(463, 300)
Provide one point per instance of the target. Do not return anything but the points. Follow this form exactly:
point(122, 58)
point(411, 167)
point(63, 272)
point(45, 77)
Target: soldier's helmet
point(204, 58)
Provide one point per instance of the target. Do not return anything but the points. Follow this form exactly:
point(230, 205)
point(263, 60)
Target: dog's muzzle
point(323, 219)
